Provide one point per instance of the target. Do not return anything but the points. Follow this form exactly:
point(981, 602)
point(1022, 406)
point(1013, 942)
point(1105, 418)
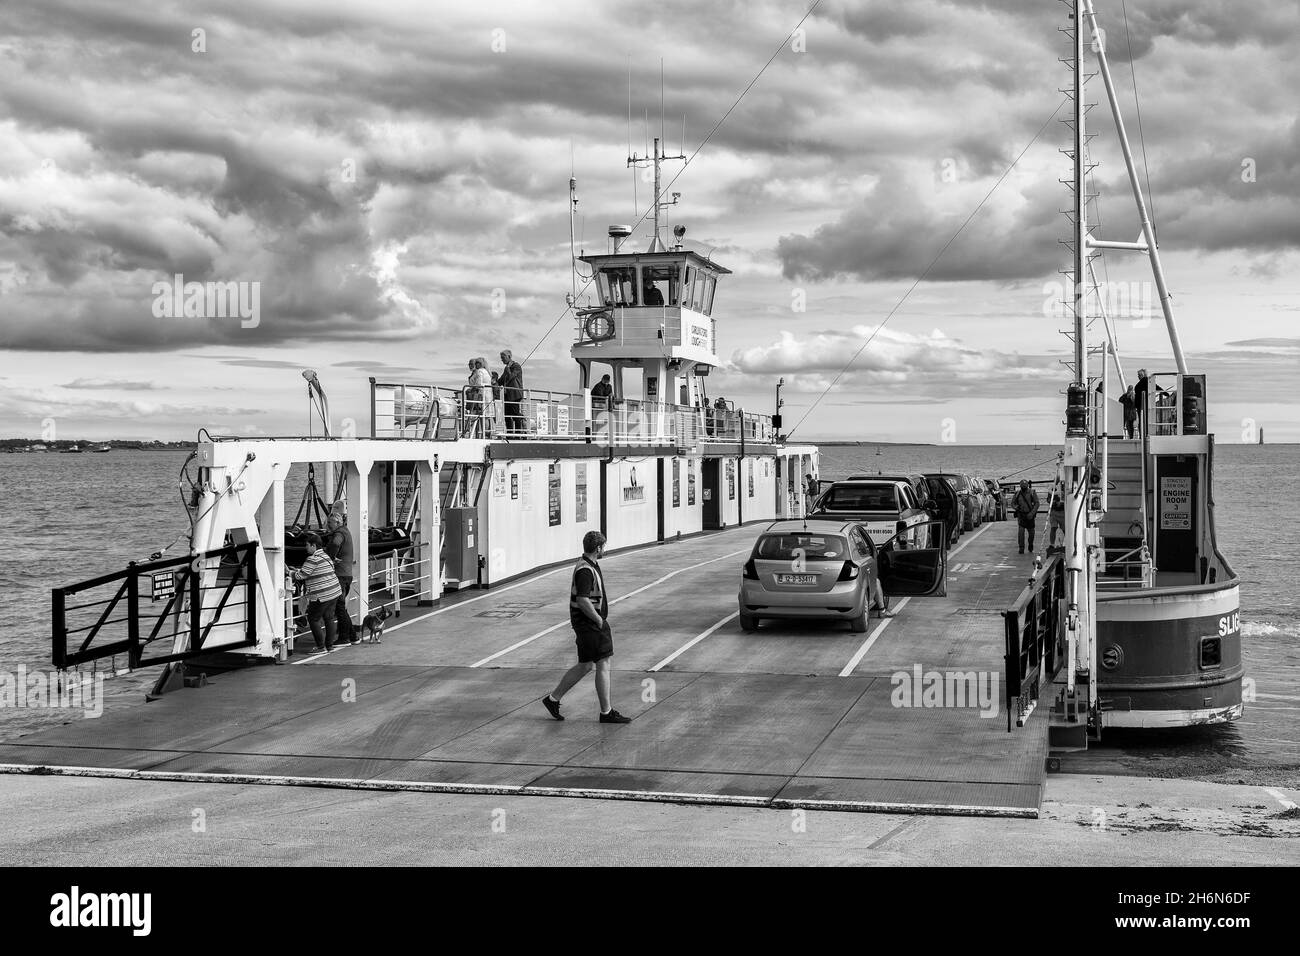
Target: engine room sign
point(1176, 503)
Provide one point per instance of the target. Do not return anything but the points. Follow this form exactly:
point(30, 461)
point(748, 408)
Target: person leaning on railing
point(323, 593)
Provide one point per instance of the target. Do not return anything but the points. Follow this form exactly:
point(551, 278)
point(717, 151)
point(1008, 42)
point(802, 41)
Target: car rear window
point(787, 547)
point(862, 498)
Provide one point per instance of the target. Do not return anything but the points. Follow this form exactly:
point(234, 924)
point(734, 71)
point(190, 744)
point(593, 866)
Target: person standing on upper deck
point(1140, 398)
point(589, 615)
point(1128, 401)
point(511, 381)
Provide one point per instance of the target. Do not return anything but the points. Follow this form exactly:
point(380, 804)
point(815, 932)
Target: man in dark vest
point(511, 381)
point(339, 547)
point(1025, 507)
point(589, 615)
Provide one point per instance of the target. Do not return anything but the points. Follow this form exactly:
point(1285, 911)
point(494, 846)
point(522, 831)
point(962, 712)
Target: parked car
point(999, 499)
point(916, 482)
point(883, 506)
point(948, 504)
point(826, 569)
point(986, 499)
point(926, 497)
point(972, 508)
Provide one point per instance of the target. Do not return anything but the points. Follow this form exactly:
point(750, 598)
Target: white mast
point(1076, 463)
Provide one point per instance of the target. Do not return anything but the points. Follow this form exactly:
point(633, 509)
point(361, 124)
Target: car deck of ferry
point(795, 715)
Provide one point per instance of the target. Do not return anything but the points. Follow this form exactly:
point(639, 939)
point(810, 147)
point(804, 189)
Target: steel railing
point(1034, 633)
point(190, 595)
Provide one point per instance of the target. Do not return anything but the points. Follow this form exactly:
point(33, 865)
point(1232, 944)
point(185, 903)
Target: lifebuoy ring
point(599, 326)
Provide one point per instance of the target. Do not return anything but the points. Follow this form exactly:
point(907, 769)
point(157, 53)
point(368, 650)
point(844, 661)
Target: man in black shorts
point(589, 615)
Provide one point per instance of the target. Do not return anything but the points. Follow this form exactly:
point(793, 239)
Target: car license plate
point(796, 579)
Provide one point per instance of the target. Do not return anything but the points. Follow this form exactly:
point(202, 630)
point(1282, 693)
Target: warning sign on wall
point(1176, 503)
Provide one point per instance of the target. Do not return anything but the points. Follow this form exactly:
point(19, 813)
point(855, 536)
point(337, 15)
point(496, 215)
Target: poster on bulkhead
point(690, 482)
point(731, 479)
point(553, 494)
point(631, 489)
point(677, 482)
point(580, 492)
point(526, 488)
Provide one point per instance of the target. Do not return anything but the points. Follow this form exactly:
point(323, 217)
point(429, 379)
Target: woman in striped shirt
point(323, 592)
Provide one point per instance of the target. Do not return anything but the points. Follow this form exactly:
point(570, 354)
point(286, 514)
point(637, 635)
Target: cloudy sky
point(380, 169)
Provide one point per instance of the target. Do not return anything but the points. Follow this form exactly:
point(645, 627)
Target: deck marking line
point(957, 550)
point(871, 639)
point(670, 574)
point(519, 644)
point(1280, 797)
point(693, 641)
point(645, 587)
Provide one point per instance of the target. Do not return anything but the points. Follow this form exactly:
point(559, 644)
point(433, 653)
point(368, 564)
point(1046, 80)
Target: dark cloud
point(228, 165)
point(110, 383)
point(895, 234)
point(1281, 343)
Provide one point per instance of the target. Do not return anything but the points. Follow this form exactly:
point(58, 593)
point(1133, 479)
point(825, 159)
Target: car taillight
point(849, 572)
point(750, 572)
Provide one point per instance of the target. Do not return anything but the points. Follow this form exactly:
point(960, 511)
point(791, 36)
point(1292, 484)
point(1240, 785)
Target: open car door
point(905, 568)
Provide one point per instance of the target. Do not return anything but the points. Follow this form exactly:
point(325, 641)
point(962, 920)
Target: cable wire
point(1146, 170)
point(926, 271)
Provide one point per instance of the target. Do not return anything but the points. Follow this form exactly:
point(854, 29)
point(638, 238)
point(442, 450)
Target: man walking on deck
point(589, 615)
point(1025, 507)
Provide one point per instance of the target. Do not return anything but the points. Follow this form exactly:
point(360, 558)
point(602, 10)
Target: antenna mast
point(656, 158)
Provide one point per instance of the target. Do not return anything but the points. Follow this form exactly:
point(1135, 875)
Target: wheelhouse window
point(618, 285)
point(662, 284)
point(709, 283)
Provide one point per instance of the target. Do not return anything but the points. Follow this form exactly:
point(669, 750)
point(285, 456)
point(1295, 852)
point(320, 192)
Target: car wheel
point(748, 623)
point(859, 624)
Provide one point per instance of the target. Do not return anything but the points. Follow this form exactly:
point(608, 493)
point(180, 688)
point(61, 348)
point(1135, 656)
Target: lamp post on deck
point(776, 419)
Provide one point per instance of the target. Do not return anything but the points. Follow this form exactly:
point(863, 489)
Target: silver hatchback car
point(809, 569)
point(820, 568)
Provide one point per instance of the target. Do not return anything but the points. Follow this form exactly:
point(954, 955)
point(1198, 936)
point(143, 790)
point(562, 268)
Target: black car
point(916, 482)
point(955, 506)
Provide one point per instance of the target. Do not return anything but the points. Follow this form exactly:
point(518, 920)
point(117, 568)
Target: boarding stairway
point(1123, 527)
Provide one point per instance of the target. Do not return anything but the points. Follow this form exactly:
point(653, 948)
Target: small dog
point(373, 625)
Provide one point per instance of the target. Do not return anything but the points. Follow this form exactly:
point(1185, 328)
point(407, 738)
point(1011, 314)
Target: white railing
point(400, 410)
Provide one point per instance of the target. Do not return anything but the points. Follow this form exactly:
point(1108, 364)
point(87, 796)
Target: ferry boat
point(1152, 621)
point(488, 485)
point(461, 487)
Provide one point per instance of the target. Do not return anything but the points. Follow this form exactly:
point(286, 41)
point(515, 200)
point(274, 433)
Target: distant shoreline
point(117, 444)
